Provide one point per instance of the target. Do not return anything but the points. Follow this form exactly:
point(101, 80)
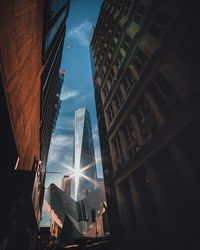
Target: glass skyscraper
point(83, 158)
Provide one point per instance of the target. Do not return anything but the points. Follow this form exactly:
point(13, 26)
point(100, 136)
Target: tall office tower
point(83, 158)
point(146, 57)
point(31, 41)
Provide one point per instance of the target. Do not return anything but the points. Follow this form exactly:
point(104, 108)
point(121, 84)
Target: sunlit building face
point(83, 161)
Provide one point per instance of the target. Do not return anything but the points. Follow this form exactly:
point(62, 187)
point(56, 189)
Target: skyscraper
point(146, 58)
point(31, 43)
point(83, 158)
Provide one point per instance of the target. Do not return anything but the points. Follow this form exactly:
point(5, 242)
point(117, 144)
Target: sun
point(77, 173)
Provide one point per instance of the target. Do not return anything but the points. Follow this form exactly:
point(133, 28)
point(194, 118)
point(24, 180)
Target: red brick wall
point(21, 25)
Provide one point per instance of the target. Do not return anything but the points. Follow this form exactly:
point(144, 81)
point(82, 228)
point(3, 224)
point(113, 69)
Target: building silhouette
point(145, 70)
point(31, 43)
point(83, 155)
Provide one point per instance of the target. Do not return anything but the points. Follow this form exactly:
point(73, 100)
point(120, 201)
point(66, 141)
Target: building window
point(106, 89)
point(128, 81)
point(164, 95)
point(129, 133)
point(117, 146)
point(120, 4)
point(113, 45)
point(164, 86)
point(139, 60)
point(118, 98)
point(149, 118)
point(111, 78)
point(146, 119)
point(126, 43)
point(115, 40)
point(110, 113)
point(160, 22)
point(128, 7)
point(54, 30)
point(113, 72)
point(118, 32)
point(56, 6)
point(106, 62)
point(119, 60)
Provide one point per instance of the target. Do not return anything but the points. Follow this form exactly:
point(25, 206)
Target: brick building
point(31, 43)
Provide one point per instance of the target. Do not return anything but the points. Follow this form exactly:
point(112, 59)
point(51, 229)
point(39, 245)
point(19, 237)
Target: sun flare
point(77, 173)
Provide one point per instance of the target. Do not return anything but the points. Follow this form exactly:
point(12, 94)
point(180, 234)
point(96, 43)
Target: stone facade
point(145, 78)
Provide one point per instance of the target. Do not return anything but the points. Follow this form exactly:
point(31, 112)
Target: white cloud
point(68, 94)
point(59, 143)
point(63, 124)
point(60, 140)
point(81, 33)
point(95, 134)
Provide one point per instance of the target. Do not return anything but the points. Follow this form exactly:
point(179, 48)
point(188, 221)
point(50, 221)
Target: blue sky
point(77, 89)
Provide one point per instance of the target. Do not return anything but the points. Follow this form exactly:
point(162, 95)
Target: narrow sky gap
point(77, 83)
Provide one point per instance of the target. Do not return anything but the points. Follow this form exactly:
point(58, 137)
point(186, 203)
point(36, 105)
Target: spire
point(82, 102)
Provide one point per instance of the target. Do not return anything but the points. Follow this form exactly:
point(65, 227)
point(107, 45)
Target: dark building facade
point(53, 39)
point(147, 99)
point(58, 100)
point(31, 42)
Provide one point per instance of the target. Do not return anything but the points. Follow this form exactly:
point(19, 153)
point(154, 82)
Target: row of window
point(103, 25)
point(157, 105)
point(140, 59)
point(160, 21)
point(127, 40)
point(116, 36)
point(105, 45)
point(54, 30)
point(119, 58)
point(137, 64)
point(56, 6)
point(156, 29)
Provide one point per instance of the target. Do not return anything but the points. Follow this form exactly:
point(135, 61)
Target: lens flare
point(77, 173)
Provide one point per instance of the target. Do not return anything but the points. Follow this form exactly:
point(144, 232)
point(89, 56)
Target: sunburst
point(77, 173)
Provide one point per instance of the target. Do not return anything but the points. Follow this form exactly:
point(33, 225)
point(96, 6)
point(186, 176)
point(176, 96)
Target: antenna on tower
point(83, 102)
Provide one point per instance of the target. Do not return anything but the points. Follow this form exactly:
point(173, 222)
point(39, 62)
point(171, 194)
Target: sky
point(77, 90)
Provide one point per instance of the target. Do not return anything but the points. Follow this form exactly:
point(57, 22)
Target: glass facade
point(84, 159)
point(56, 6)
point(52, 33)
